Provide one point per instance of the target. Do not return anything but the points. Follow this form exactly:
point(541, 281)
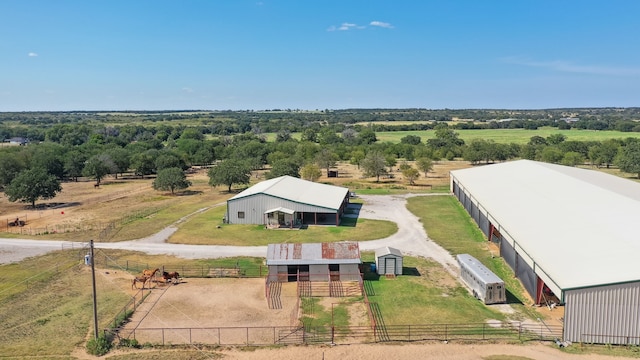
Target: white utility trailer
point(485, 285)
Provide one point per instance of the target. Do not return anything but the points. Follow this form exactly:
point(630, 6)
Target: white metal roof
point(478, 269)
point(313, 253)
point(387, 251)
point(280, 209)
point(299, 190)
point(579, 226)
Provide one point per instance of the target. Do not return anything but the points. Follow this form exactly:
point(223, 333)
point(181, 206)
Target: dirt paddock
point(216, 311)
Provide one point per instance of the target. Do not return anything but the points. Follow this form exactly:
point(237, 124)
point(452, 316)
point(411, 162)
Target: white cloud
point(345, 27)
point(567, 66)
point(381, 24)
point(187, 90)
point(32, 54)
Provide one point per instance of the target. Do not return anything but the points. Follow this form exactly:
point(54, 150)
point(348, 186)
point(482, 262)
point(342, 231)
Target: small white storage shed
point(388, 261)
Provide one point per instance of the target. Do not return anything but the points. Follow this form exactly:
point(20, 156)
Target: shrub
point(99, 346)
point(130, 343)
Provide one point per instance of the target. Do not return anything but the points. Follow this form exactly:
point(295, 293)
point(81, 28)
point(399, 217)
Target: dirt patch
point(216, 311)
point(220, 302)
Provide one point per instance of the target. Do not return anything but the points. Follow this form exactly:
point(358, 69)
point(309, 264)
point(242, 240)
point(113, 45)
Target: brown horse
point(142, 279)
point(149, 273)
point(173, 276)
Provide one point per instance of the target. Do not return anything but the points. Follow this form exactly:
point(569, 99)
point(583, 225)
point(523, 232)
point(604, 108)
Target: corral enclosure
point(214, 311)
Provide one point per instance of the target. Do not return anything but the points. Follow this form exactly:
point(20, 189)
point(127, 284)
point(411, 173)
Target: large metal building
point(569, 234)
point(288, 201)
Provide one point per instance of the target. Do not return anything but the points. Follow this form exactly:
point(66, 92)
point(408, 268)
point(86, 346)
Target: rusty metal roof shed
point(313, 253)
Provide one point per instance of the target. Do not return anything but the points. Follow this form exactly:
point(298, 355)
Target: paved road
point(411, 239)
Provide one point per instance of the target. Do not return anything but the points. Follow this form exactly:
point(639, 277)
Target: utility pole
point(95, 301)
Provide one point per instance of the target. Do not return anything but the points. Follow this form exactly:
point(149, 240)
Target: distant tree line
point(65, 151)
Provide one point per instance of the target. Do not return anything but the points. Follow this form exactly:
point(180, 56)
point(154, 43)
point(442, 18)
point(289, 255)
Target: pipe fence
point(289, 335)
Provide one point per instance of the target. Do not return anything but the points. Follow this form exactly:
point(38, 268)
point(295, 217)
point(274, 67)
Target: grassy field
point(451, 227)
point(518, 136)
point(47, 305)
point(505, 136)
point(427, 294)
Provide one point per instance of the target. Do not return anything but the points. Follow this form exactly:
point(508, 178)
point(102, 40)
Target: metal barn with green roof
point(287, 201)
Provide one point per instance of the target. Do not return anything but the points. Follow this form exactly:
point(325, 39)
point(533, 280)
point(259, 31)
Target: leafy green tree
point(628, 160)
point(33, 184)
point(411, 174)
point(425, 165)
point(604, 153)
point(144, 163)
point(283, 135)
point(310, 134)
point(98, 166)
point(311, 172)
point(169, 159)
point(328, 136)
point(411, 140)
point(74, 163)
point(49, 156)
point(446, 142)
point(537, 140)
point(229, 172)
point(551, 154)
point(192, 133)
point(367, 136)
point(555, 139)
point(282, 167)
point(374, 165)
point(404, 165)
point(572, 158)
point(326, 159)
point(390, 161)
point(10, 167)
point(172, 178)
point(356, 157)
point(121, 159)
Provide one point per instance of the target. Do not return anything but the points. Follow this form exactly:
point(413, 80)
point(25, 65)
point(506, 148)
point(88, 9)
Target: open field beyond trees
point(518, 136)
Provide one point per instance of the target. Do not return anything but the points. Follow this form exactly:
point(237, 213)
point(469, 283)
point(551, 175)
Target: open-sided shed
point(570, 236)
point(337, 261)
point(388, 261)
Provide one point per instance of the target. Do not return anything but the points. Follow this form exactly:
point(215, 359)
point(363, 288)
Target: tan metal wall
point(254, 207)
point(604, 315)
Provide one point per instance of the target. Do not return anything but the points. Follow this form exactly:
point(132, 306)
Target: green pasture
point(207, 228)
point(503, 136)
point(426, 294)
point(506, 136)
point(449, 225)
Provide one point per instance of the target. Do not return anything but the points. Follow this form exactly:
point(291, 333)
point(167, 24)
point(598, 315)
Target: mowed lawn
point(427, 294)
point(207, 228)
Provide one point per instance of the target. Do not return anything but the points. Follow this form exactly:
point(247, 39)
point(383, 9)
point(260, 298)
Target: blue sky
point(332, 54)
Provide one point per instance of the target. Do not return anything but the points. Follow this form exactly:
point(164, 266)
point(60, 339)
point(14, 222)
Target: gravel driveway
point(411, 239)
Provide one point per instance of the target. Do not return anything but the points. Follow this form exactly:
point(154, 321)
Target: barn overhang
point(280, 209)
